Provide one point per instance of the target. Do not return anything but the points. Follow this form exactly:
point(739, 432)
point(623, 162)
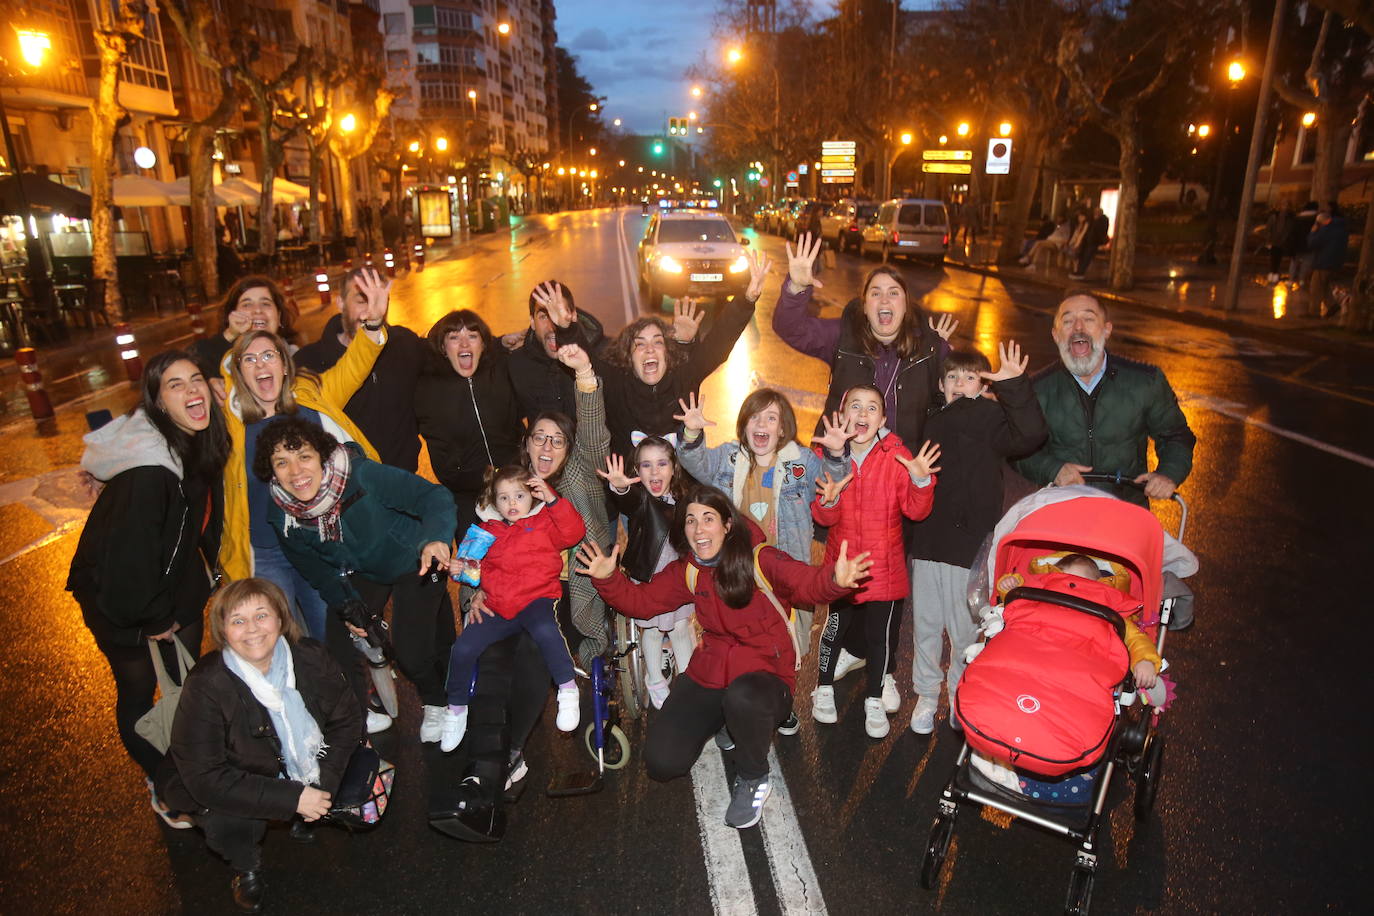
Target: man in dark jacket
point(1094, 239)
point(541, 382)
point(1102, 410)
point(1327, 242)
point(384, 407)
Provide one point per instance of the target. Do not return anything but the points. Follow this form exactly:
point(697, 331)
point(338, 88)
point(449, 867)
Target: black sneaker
point(518, 769)
point(790, 726)
point(746, 802)
point(723, 739)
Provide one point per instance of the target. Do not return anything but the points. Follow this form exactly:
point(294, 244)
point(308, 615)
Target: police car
point(691, 252)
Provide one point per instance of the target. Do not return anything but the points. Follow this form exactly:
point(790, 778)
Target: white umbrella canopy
point(141, 191)
point(225, 194)
point(283, 191)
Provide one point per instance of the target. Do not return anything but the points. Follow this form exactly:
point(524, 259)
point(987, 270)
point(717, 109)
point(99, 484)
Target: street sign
point(999, 156)
point(837, 161)
point(792, 177)
point(764, 182)
point(802, 169)
point(947, 155)
point(947, 168)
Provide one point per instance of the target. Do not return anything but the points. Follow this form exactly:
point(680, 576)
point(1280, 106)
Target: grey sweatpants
point(938, 606)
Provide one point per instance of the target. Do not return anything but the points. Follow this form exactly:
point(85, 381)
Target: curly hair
point(621, 349)
point(292, 434)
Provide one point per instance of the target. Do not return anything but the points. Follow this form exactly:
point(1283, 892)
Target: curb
point(1320, 343)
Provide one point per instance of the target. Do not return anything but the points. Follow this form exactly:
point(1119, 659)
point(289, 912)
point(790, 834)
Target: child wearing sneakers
point(976, 434)
point(884, 485)
point(520, 589)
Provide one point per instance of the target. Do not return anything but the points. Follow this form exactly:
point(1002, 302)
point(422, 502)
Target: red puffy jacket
point(525, 562)
point(734, 641)
point(869, 516)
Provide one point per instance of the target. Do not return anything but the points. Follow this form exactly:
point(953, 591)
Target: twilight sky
point(636, 52)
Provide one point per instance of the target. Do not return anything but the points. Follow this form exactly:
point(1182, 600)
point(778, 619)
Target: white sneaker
point(454, 727)
point(923, 716)
point(432, 724)
point(658, 693)
point(846, 663)
point(377, 722)
point(569, 709)
point(823, 705)
point(875, 719)
point(892, 700)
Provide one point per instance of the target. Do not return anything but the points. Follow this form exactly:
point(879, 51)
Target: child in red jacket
point(520, 589)
point(885, 484)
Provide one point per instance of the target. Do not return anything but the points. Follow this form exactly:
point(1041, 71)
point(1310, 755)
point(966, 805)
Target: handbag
point(155, 725)
point(364, 791)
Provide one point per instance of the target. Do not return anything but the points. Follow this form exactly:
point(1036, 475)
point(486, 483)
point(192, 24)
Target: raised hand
point(922, 464)
point(377, 292)
point(946, 326)
point(541, 489)
point(549, 296)
point(849, 572)
point(514, 340)
point(758, 272)
point(615, 474)
point(686, 319)
point(1010, 362)
point(802, 260)
point(595, 563)
point(828, 491)
point(692, 416)
point(239, 322)
point(575, 358)
point(837, 432)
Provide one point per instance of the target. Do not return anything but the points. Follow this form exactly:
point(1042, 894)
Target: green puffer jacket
point(1109, 429)
point(388, 516)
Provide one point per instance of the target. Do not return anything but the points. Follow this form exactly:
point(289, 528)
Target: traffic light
point(717, 182)
point(658, 147)
point(752, 176)
point(672, 127)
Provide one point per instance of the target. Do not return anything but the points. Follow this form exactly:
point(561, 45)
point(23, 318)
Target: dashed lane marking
point(727, 873)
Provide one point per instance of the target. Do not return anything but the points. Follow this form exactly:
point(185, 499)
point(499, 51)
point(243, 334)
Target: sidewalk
point(1182, 289)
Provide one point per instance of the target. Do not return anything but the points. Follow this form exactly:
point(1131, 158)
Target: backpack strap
point(761, 580)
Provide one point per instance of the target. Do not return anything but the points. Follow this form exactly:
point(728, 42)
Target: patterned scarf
point(324, 508)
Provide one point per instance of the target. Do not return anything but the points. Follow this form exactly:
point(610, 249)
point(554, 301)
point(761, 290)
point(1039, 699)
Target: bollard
point(419, 256)
point(348, 265)
point(389, 260)
point(292, 310)
point(367, 261)
point(197, 320)
point(39, 404)
point(128, 351)
point(322, 284)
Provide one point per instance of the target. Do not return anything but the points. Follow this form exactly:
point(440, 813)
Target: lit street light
point(963, 129)
point(414, 146)
point(696, 92)
point(1004, 128)
point(1235, 71)
point(348, 123)
point(734, 55)
point(1309, 118)
point(33, 46)
point(441, 144)
point(504, 28)
point(1204, 131)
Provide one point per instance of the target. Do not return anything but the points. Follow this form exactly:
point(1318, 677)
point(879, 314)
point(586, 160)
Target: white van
point(908, 228)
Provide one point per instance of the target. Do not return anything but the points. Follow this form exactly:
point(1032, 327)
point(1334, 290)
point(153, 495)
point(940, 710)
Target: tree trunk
point(344, 192)
point(271, 158)
point(1033, 154)
point(106, 113)
point(1357, 316)
point(1122, 270)
point(200, 140)
point(316, 170)
point(1333, 137)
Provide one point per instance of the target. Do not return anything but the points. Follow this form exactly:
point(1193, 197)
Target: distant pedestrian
point(1295, 243)
point(393, 228)
point(1096, 236)
point(1276, 229)
point(1327, 242)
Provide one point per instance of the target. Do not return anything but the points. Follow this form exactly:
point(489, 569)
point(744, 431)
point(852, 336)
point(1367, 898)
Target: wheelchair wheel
point(1080, 892)
point(937, 847)
point(1147, 778)
point(633, 691)
point(617, 746)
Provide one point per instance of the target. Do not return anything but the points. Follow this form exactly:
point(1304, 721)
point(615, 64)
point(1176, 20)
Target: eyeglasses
point(553, 441)
point(266, 357)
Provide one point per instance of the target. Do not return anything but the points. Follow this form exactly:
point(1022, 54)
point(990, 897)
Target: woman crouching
point(743, 674)
point(263, 731)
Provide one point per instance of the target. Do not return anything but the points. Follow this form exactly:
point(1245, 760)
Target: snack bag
point(473, 548)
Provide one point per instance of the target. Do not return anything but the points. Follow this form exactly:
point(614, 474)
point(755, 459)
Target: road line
point(1237, 412)
point(727, 873)
point(624, 259)
point(794, 877)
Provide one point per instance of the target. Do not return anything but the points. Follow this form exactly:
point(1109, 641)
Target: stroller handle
point(1121, 480)
point(1071, 602)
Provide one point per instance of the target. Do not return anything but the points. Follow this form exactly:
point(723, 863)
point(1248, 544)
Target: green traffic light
point(717, 182)
point(658, 148)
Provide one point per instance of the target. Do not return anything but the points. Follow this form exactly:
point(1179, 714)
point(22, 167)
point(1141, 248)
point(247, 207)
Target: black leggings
point(136, 682)
point(751, 708)
point(880, 621)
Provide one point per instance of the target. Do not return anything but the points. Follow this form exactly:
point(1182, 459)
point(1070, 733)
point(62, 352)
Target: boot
point(249, 889)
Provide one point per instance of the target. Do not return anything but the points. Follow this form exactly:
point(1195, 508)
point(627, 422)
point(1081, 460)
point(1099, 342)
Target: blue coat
point(1328, 243)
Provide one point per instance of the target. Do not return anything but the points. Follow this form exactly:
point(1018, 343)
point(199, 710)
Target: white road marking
point(726, 871)
point(794, 877)
point(1237, 412)
point(625, 260)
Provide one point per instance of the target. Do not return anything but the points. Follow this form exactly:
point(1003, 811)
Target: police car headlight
point(739, 265)
point(670, 264)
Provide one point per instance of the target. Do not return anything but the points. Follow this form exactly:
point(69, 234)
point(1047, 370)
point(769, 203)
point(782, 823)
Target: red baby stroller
point(1052, 693)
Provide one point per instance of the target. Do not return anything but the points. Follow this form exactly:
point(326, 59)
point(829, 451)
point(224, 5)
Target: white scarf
point(301, 740)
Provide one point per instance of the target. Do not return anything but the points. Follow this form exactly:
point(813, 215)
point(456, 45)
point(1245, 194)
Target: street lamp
point(616, 122)
point(963, 129)
point(348, 123)
point(503, 28)
point(1235, 72)
point(1309, 118)
point(441, 144)
point(734, 55)
point(414, 146)
point(1004, 128)
point(34, 46)
point(1204, 131)
point(906, 138)
point(696, 92)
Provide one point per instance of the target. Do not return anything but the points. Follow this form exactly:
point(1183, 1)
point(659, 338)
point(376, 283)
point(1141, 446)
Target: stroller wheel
point(1148, 777)
point(1080, 891)
point(617, 746)
point(937, 847)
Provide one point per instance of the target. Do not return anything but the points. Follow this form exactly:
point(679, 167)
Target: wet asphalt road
point(1263, 807)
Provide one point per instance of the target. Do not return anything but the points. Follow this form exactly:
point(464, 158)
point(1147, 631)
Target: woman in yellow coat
point(262, 383)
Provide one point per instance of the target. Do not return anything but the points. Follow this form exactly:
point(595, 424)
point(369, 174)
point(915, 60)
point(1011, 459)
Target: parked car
point(842, 226)
point(691, 253)
point(807, 214)
point(779, 213)
point(908, 228)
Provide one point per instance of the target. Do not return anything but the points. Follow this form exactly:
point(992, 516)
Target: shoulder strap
point(761, 580)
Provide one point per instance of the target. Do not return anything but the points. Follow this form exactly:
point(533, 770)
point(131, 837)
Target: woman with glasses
point(254, 303)
point(263, 382)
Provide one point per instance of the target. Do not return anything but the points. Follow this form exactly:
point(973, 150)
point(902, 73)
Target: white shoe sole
point(758, 811)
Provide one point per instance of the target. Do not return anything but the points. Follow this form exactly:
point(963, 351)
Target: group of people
point(279, 484)
point(1076, 239)
point(1313, 240)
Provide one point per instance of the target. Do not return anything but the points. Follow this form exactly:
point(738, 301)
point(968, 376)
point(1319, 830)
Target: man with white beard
point(1102, 410)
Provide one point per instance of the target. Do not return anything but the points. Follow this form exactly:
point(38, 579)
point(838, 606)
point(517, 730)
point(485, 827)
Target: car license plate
point(913, 243)
point(707, 278)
